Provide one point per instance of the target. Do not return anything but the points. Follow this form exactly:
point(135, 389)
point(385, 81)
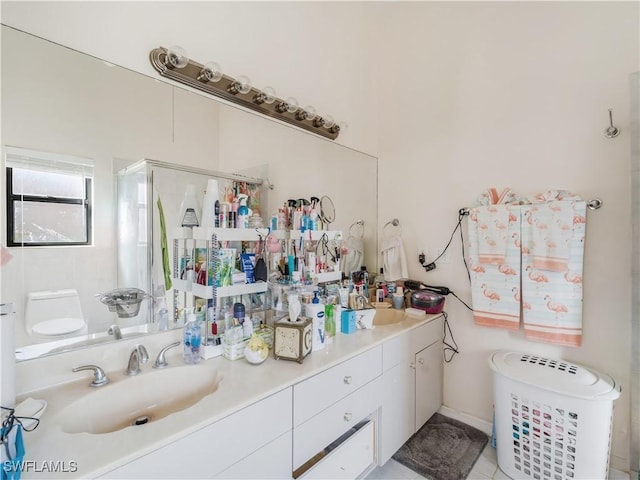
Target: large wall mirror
point(63, 102)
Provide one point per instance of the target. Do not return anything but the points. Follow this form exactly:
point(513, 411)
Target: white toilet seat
point(59, 326)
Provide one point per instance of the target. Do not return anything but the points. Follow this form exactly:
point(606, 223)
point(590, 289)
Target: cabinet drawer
point(349, 459)
point(217, 446)
point(315, 434)
point(326, 388)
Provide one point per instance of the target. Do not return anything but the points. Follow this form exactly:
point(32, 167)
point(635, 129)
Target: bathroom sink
point(388, 316)
point(134, 401)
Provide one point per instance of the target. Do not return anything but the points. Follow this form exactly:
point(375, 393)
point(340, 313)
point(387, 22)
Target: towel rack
point(394, 223)
point(593, 204)
point(359, 223)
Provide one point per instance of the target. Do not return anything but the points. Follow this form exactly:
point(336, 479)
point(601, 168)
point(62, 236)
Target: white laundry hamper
point(553, 418)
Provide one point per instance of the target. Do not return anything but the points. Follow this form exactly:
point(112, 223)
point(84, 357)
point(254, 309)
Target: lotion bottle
point(209, 204)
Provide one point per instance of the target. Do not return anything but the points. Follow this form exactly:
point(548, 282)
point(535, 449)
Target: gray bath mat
point(443, 449)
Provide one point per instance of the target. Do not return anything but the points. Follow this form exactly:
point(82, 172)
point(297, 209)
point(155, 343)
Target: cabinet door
point(398, 409)
point(271, 461)
point(428, 372)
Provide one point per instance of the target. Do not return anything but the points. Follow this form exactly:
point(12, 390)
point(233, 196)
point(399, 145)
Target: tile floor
point(486, 467)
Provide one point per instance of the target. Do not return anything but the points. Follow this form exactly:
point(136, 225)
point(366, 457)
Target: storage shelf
point(230, 234)
point(328, 277)
point(206, 291)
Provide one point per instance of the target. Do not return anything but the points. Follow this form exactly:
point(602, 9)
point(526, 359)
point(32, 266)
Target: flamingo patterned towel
point(551, 227)
point(552, 288)
point(495, 285)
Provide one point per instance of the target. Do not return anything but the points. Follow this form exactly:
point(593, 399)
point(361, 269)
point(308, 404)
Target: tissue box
point(348, 321)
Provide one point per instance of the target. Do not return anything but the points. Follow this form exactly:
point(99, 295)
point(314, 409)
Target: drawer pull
point(412, 365)
point(421, 361)
point(347, 380)
point(347, 417)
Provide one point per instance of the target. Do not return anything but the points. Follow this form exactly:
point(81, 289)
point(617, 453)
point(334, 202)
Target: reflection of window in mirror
point(48, 198)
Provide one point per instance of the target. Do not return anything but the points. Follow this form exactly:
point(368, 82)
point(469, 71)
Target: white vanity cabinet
point(411, 384)
point(331, 404)
point(227, 448)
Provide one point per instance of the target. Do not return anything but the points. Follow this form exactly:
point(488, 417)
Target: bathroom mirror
point(61, 101)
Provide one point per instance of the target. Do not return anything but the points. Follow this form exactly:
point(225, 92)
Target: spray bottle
point(243, 212)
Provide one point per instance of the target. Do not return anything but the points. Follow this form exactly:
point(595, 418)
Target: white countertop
point(242, 385)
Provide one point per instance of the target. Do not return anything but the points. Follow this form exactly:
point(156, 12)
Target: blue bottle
point(192, 339)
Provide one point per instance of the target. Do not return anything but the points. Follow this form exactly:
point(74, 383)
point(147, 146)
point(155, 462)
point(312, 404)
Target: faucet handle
point(161, 361)
point(143, 355)
point(115, 331)
point(99, 377)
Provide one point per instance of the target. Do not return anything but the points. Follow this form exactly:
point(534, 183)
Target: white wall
point(512, 95)
point(307, 50)
point(467, 96)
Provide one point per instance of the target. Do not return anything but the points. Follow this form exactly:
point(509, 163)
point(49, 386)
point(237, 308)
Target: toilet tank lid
point(59, 326)
point(47, 294)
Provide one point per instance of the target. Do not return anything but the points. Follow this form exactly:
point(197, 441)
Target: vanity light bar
point(226, 87)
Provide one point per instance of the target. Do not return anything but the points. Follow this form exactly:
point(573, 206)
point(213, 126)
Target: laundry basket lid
point(558, 376)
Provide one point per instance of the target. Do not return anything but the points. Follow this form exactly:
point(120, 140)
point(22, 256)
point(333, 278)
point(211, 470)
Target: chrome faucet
point(358, 302)
point(115, 331)
point(139, 356)
point(161, 361)
point(99, 377)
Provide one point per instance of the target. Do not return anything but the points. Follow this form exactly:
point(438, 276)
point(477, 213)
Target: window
point(48, 198)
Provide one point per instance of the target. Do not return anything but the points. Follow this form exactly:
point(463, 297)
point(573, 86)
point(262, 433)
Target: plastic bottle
point(209, 204)
point(315, 310)
point(365, 279)
point(329, 323)
point(162, 314)
point(192, 339)
point(243, 213)
point(190, 209)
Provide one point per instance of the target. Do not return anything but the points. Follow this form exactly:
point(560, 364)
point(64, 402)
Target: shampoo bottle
point(192, 339)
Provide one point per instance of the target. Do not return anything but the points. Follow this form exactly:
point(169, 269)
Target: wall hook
point(611, 131)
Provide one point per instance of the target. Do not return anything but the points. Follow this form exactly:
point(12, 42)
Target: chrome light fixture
point(175, 64)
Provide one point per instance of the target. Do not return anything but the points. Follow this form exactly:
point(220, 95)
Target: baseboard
point(481, 425)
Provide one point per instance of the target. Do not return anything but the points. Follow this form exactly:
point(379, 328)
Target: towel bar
point(593, 204)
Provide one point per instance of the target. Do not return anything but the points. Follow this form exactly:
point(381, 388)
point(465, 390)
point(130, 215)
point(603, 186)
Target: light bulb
point(267, 95)
point(211, 72)
point(242, 84)
point(310, 112)
point(339, 127)
point(292, 104)
point(328, 121)
point(176, 57)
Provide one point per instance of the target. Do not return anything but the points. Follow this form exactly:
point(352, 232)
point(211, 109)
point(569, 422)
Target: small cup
point(398, 301)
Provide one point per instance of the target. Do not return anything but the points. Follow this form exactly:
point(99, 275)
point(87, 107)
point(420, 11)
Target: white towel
point(394, 258)
point(354, 257)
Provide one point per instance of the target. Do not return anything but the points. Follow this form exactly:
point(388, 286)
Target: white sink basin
point(133, 401)
point(388, 316)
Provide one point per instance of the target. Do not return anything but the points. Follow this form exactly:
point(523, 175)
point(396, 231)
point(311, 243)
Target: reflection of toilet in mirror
point(54, 315)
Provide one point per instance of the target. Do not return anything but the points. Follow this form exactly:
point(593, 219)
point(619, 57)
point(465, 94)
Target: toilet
point(54, 314)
